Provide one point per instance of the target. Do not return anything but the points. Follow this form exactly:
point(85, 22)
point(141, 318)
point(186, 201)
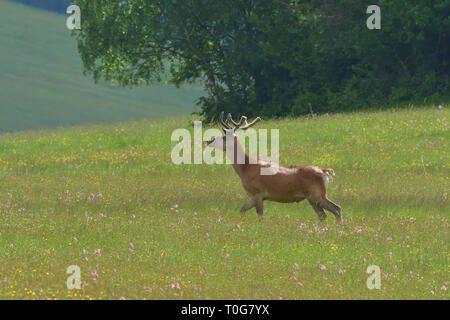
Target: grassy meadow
point(108, 199)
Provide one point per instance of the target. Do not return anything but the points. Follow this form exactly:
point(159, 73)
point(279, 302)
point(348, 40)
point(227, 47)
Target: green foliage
point(274, 58)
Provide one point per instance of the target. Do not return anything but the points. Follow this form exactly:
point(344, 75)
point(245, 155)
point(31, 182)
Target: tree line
point(273, 57)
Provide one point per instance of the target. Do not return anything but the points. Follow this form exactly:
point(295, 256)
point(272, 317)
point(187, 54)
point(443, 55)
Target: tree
point(228, 45)
point(272, 57)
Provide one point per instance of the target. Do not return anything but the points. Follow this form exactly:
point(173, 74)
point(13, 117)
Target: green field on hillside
point(108, 199)
point(42, 84)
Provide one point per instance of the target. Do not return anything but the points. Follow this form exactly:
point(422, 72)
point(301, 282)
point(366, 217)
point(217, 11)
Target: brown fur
point(291, 183)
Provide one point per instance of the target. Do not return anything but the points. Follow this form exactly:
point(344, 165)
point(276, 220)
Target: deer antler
point(224, 124)
point(237, 124)
point(251, 124)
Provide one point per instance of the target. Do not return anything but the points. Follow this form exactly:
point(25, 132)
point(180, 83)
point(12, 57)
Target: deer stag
point(289, 183)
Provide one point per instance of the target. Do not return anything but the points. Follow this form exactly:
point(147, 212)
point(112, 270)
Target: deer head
point(228, 140)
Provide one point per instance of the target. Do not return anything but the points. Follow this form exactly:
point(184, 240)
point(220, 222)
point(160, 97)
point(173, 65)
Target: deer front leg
point(250, 204)
point(258, 199)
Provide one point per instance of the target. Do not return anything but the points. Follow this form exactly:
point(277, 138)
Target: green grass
point(67, 192)
point(42, 84)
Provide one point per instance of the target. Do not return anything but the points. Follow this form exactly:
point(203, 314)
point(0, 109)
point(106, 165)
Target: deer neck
point(240, 158)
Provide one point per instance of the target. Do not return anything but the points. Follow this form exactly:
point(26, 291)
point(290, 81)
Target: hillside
point(42, 85)
point(58, 6)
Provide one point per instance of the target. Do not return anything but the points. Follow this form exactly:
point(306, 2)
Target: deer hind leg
point(319, 210)
point(250, 204)
point(332, 207)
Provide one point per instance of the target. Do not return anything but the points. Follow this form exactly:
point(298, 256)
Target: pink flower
point(389, 239)
point(444, 288)
point(296, 266)
point(300, 284)
point(175, 285)
point(11, 245)
point(323, 267)
point(341, 271)
point(148, 289)
point(439, 107)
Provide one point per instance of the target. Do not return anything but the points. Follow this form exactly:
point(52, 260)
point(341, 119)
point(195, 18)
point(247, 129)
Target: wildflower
point(323, 267)
point(148, 289)
point(175, 285)
point(300, 284)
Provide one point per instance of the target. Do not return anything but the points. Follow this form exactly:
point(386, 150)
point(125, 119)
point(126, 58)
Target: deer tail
point(328, 171)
